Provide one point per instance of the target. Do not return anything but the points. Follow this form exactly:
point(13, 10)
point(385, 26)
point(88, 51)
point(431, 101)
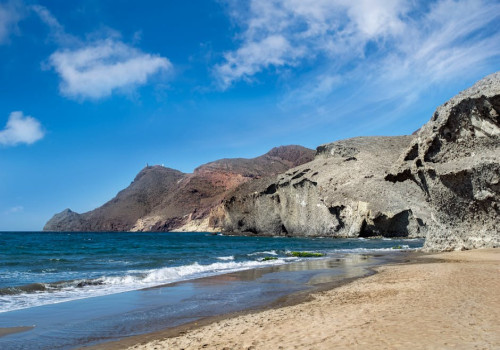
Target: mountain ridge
point(161, 198)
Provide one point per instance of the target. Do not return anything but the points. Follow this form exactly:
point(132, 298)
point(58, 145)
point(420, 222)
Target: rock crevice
point(455, 159)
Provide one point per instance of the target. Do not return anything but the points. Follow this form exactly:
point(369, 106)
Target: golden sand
point(453, 303)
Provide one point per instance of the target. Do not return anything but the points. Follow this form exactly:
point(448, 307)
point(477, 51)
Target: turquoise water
point(47, 268)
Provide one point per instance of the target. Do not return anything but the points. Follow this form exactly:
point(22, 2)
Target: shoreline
point(124, 269)
point(292, 299)
point(427, 300)
point(94, 321)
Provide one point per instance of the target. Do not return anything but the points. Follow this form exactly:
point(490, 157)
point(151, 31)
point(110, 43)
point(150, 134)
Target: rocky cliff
point(163, 199)
point(442, 182)
point(455, 160)
point(341, 193)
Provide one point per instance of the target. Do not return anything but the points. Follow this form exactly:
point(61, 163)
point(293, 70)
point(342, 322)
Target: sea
point(76, 289)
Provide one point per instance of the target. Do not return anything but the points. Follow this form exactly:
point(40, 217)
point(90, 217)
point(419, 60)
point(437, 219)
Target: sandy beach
point(441, 301)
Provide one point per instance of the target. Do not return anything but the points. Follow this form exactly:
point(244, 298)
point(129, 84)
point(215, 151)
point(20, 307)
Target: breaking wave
point(266, 252)
point(226, 258)
point(37, 294)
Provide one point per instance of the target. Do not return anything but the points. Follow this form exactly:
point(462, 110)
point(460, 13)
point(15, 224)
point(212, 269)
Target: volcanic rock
point(455, 160)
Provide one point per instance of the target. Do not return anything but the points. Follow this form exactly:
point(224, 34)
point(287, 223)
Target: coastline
point(289, 300)
point(444, 300)
point(94, 321)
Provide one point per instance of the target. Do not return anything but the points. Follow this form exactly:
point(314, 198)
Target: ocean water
point(40, 268)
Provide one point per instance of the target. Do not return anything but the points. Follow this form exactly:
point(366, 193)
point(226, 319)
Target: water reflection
point(93, 320)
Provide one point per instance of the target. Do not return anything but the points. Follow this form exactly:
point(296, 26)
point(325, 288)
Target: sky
point(93, 90)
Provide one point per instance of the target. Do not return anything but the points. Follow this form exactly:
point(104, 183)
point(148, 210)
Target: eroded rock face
point(342, 193)
point(455, 160)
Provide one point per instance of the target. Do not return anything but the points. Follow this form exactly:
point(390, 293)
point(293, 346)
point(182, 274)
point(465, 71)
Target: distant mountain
point(163, 199)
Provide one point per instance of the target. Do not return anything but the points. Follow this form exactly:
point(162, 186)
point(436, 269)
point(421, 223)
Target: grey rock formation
point(342, 193)
point(455, 160)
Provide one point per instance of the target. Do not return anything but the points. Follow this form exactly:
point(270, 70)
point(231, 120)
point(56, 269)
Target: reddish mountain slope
point(163, 199)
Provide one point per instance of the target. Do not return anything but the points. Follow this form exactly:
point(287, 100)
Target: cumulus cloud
point(21, 129)
point(392, 38)
point(101, 65)
point(10, 14)
point(100, 68)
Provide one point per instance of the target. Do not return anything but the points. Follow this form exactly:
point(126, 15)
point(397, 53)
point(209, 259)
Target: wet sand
point(12, 330)
point(93, 321)
point(441, 301)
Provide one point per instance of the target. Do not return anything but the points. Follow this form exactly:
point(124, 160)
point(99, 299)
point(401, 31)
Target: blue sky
point(92, 90)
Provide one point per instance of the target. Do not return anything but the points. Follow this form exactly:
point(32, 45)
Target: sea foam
point(52, 293)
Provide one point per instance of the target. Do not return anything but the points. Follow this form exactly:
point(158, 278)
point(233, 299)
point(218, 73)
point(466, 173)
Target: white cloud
point(379, 41)
point(21, 129)
point(101, 65)
point(101, 68)
point(374, 19)
point(10, 14)
point(271, 51)
point(310, 28)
